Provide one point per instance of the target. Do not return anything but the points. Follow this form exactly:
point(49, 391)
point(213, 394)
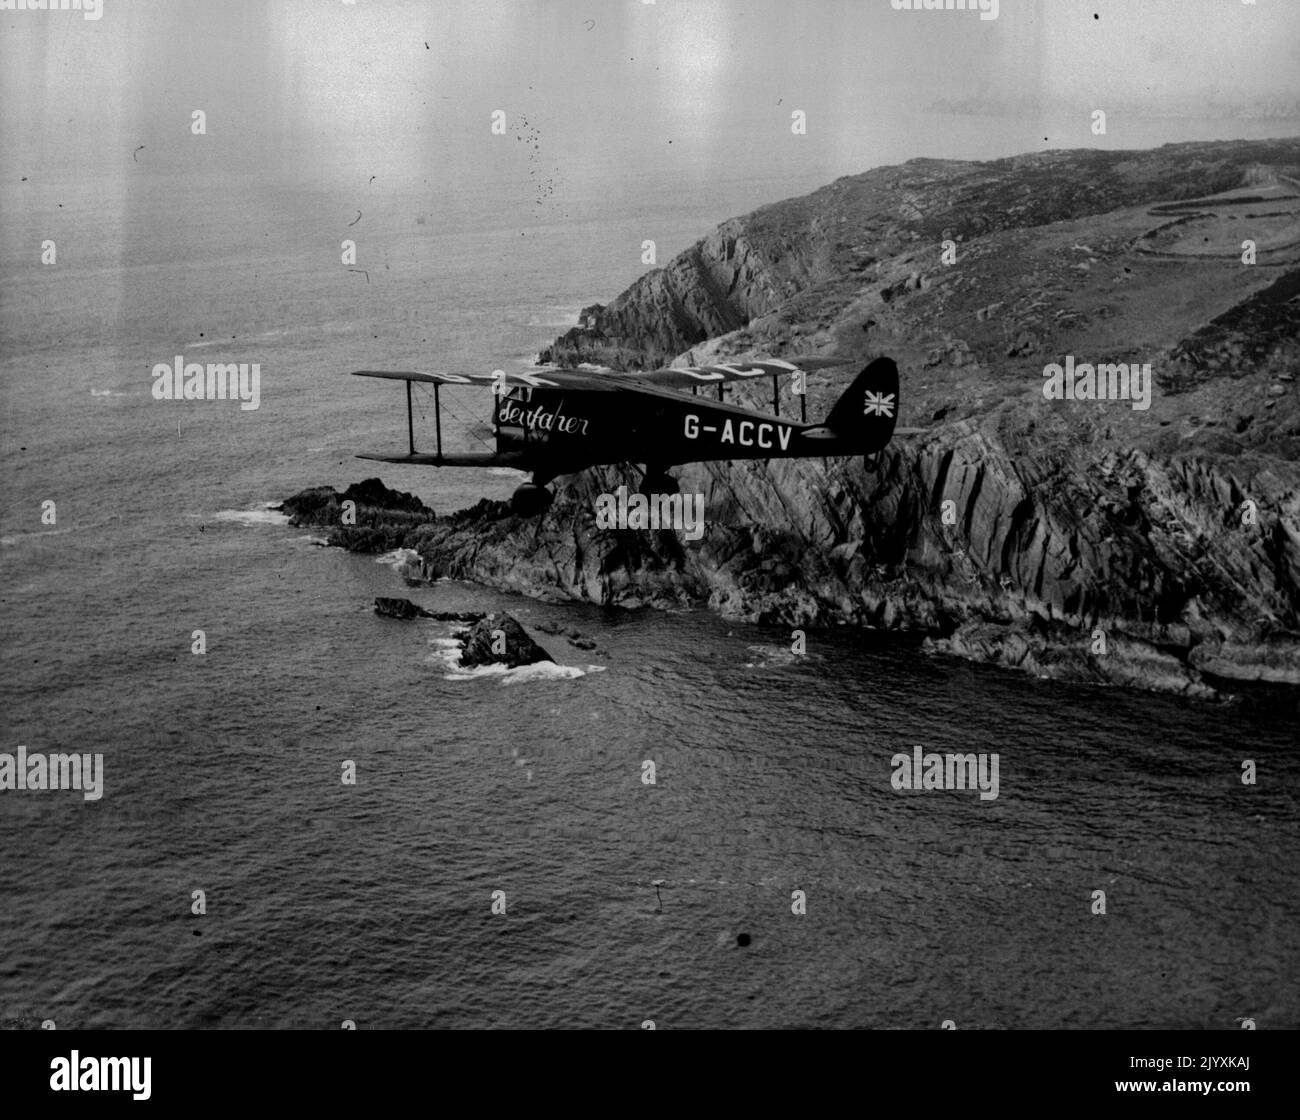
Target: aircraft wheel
point(530, 500)
point(659, 484)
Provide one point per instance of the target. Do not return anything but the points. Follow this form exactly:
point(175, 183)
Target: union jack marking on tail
point(877, 404)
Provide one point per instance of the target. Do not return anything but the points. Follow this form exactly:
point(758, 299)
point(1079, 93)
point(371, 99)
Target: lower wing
point(473, 459)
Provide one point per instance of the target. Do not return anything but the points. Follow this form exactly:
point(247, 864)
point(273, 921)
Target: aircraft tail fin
point(869, 407)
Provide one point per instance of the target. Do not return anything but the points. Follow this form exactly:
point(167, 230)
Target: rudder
point(868, 410)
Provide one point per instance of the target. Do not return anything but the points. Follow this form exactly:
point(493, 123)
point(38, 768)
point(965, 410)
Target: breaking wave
point(264, 513)
point(398, 558)
point(446, 655)
point(768, 657)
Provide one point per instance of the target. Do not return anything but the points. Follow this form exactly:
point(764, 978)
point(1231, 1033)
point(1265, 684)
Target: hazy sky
point(299, 84)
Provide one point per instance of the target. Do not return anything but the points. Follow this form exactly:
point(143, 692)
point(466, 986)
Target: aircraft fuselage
point(557, 431)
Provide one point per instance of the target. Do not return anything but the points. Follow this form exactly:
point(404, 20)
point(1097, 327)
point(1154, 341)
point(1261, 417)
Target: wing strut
point(410, 421)
point(437, 416)
point(776, 395)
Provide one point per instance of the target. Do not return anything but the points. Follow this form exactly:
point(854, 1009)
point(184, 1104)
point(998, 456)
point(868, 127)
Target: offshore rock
point(499, 632)
point(404, 610)
point(384, 518)
point(401, 609)
point(576, 637)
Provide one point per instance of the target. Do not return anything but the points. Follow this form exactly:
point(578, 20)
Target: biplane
point(553, 422)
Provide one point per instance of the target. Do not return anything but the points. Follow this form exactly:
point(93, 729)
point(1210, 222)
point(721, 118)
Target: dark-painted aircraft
point(553, 422)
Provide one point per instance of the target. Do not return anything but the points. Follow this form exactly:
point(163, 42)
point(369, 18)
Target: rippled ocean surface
point(624, 901)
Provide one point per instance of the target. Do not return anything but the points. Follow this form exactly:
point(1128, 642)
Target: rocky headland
point(1082, 540)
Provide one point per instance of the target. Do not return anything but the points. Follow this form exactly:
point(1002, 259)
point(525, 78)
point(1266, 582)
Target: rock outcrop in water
point(576, 638)
point(1083, 540)
point(385, 518)
point(498, 639)
point(404, 611)
point(401, 609)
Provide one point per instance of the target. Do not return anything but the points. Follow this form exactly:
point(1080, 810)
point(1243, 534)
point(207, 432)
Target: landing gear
point(530, 500)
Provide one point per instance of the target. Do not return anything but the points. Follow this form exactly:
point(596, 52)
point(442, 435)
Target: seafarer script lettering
point(538, 419)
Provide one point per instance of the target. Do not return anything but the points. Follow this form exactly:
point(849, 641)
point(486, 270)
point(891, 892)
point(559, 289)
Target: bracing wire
point(471, 427)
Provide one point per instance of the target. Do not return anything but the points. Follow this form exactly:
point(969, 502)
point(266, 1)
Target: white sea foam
point(246, 340)
point(19, 538)
point(398, 558)
point(263, 514)
point(446, 654)
point(523, 674)
point(548, 671)
point(766, 657)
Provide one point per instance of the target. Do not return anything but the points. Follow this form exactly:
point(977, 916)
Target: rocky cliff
point(1081, 539)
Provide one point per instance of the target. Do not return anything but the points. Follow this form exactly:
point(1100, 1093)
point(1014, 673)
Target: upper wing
point(606, 380)
point(691, 377)
point(536, 379)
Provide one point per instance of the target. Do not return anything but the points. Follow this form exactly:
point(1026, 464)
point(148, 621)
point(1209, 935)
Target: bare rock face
point(715, 287)
point(498, 639)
